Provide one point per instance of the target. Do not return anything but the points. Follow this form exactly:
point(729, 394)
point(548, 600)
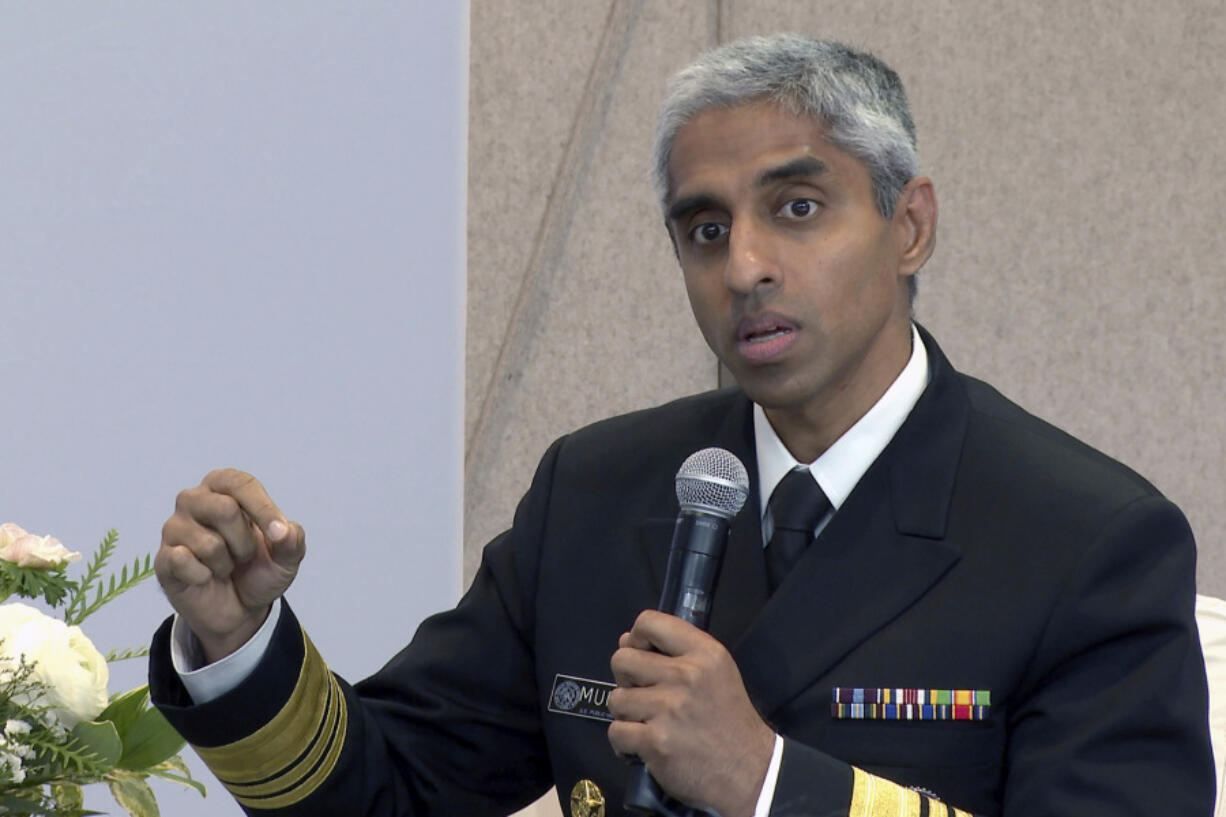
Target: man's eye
point(708, 233)
point(798, 209)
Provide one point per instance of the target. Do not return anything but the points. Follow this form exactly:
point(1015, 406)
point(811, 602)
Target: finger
point(252, 499)
point(633, 667)
point(639, 704)
point(291, 549)
point(654, 630)
point(628, 738)
point(205, 544)
point(222, 514)
point(178, 565)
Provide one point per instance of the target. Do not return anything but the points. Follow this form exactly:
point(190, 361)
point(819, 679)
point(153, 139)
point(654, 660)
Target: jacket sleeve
point(1111, 719)
point(449, 726)
point(813, 784)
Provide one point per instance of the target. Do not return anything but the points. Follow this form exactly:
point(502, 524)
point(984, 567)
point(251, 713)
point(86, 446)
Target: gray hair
point(858, 98)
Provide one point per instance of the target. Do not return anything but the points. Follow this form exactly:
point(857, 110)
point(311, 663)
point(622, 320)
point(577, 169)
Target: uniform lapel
point(881, 551)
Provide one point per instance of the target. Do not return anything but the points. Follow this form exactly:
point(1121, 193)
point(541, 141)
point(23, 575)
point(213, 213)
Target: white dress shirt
point(837, 471)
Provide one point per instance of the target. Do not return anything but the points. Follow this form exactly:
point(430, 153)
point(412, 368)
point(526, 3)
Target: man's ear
point(915, 222)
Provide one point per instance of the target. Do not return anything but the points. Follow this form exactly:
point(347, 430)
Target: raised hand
point(227, 552)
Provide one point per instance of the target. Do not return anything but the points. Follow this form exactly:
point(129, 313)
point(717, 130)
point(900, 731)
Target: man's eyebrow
point(804, 167)
point(681, 208)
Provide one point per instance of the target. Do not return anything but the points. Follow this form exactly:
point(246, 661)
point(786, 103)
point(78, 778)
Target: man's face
point(799, 285)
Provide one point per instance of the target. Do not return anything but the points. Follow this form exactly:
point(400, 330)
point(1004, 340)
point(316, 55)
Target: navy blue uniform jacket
point(983, 550)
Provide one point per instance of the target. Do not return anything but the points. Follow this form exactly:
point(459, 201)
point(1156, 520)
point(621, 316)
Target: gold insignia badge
point(586, 800)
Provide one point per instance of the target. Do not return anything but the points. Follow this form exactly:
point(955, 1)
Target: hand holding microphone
point(681, 705)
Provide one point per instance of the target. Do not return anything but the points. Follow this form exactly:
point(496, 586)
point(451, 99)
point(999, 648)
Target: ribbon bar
point(901, 704)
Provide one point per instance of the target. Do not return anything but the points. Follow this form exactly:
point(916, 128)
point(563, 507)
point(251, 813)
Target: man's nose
point(751, 259)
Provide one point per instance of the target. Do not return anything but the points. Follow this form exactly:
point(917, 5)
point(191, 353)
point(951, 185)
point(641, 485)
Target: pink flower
point(28, 550)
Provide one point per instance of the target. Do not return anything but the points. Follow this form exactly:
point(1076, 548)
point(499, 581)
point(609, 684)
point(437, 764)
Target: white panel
point(232, 234)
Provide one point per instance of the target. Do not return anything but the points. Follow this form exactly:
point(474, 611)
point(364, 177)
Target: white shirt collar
point(840, 467)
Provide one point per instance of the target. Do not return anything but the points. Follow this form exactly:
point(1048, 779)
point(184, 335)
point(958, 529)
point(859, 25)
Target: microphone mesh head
point(712, 481)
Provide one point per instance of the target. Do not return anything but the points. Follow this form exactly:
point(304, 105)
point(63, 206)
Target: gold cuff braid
point(873, 796)
point(288, 758)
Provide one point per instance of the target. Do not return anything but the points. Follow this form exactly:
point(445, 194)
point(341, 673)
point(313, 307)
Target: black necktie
point(796, 505)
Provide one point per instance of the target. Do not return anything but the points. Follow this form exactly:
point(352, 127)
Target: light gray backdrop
point(232, 234)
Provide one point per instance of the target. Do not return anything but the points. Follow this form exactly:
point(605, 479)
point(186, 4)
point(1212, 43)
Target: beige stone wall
point(1079, 160)
point(575, 311)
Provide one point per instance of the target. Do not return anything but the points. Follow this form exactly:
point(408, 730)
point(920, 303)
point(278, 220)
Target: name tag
point(581, 697)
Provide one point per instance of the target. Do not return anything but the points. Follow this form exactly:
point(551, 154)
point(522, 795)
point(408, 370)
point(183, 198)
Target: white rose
point(73, 670)
point(28, 550)
point(9, 532)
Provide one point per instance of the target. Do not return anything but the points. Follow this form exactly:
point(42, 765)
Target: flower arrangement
point(59, 730)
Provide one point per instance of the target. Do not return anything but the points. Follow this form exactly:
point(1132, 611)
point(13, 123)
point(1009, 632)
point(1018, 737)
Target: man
point(984, 614)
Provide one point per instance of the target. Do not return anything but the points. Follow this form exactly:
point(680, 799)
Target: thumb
point(286, 543)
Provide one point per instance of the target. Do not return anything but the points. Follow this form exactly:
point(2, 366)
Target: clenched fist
point(227, 553)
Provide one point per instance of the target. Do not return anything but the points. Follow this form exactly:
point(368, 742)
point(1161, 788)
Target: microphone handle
point(694, 560)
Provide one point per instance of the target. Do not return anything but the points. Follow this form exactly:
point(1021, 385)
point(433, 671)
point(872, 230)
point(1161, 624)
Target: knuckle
point(687, 674)
point(176, 531)
point(706, 660)
point(673, 704)
point(616, 699)
point(184, 498)
point(227, 479)
point(162, 563)
point(244, 482)
point(225, 509)
point(216, 475)
point(178, 560)
point(210, 548)
point(658, 745)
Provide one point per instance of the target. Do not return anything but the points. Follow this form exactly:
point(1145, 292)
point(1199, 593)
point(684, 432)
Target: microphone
point(712, 486)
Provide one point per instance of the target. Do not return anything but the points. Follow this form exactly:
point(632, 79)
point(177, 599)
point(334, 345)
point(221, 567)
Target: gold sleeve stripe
point(302, 766)
point(960, 813)
point(266, 751)
point(299, 787)
point(289, 757)
point(873, 796)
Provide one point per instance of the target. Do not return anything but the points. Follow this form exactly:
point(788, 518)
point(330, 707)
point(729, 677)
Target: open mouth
point(765, 338)
point(767, 334)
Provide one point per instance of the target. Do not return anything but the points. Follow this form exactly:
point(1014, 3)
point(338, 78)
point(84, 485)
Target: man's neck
point(808, 430)
point(844, 461)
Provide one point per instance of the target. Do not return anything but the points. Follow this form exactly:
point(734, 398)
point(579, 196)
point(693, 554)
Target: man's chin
point(768, 386)
point(772, 397)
